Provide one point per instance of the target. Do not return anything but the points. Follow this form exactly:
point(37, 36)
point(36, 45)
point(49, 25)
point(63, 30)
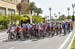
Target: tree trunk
point(19, 17)
point(11, 20)
point(37, 14)
point(31, 12)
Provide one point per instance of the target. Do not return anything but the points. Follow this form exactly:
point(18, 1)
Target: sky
point(56, 5)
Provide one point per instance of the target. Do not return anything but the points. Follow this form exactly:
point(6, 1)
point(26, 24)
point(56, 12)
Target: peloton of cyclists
point(40, 30)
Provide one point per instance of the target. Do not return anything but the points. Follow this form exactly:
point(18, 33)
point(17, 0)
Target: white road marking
point(12, 48)
point(3, 33)
point(28, 41)
point(2, 40)
point(61, 47)
point(69, 46)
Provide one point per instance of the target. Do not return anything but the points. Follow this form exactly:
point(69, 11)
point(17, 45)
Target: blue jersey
point(64, 25)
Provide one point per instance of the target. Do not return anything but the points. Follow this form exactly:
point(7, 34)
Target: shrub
point(37, 19)
point(4, 21)
point(2, 27)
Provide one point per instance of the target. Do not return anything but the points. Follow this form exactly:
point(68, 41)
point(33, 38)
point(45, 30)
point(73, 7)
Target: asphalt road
point(47, 43)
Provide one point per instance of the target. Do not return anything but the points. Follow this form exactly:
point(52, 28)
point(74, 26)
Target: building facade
point(8, 7)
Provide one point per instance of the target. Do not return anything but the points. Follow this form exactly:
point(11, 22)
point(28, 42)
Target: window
point(26, 1)
point(11, 12)
point(3, 11)
point(11, 1)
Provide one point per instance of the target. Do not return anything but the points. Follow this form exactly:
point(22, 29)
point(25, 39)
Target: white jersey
point(12, 28)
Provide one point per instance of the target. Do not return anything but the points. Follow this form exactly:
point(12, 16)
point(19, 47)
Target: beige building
point(8, 7)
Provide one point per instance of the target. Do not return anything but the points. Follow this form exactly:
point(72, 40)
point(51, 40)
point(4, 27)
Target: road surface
point(47, 43)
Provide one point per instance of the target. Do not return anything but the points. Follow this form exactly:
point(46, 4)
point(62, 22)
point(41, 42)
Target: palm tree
point(19, 7)
point(23, 8)
point(32, 7)
point(38, 11)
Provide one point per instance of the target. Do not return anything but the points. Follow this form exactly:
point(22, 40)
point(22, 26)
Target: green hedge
point(37, 19)
point(2, 27)
point(4, 21)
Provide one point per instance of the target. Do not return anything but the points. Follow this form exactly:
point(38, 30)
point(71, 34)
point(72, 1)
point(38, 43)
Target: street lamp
point(55, 15)
point(68, 12)
point(59, 14)
point(73, 5)
point(50, 12)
